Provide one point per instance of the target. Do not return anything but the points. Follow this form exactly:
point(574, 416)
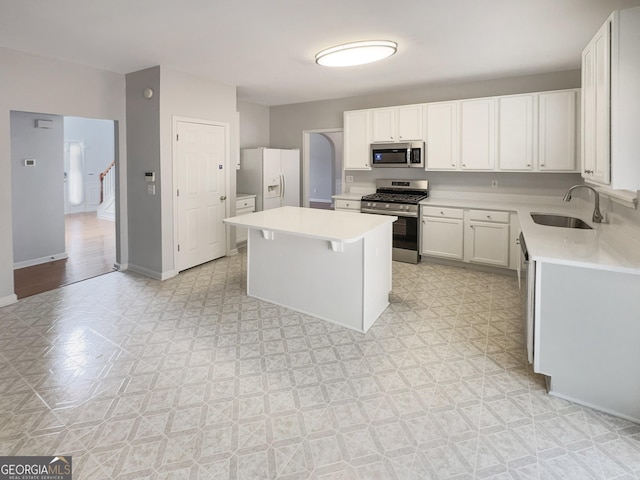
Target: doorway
point(322, 167)
point(63, 200)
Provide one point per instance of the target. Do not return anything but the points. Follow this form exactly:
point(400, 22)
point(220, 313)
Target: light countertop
point(240, 196)
point(611, 246)
point(349, 196)
point(328, 225)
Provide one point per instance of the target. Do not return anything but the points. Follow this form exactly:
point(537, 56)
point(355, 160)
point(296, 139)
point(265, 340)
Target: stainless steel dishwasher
point(529, 276)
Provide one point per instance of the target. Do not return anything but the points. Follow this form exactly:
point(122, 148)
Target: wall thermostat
point(150, 176)
point(29, 162)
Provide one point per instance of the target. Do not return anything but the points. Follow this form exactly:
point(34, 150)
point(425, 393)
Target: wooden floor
point(91, 248)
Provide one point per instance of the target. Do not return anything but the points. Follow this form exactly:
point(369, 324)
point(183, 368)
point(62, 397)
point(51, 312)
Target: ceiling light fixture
point(356, 53)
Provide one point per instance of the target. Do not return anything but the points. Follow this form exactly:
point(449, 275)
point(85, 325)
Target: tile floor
point(190, 378)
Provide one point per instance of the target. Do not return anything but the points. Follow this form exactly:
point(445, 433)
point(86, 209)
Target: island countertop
point(334, 226)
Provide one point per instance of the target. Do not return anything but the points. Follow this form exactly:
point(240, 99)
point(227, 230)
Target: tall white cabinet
point(611, 103)
point(596, 97)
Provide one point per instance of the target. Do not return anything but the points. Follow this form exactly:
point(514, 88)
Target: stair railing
point(107, 182)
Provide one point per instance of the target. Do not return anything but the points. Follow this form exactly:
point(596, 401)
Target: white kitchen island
point(332, 265)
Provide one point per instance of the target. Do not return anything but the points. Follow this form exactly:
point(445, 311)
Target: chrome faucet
point(597, 215)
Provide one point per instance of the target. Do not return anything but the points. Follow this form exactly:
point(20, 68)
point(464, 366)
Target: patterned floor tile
point(192, 379)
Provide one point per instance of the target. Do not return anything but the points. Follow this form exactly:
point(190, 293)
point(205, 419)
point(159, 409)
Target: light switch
point(29, 162)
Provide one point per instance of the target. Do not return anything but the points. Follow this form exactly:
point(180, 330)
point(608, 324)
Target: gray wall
point(254, 125)
point(143, 151)
point(38, 191)
point(288, 121)
point(30, 83)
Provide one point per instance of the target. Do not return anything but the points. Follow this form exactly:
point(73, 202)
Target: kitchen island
point(332, 265)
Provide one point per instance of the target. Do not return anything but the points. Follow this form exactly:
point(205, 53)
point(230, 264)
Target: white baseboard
point(8, 300)
point(40, 261)
point(152, 273)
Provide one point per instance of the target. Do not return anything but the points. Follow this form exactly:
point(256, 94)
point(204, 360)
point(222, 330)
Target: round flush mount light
point(356, 53)
point(147, 93)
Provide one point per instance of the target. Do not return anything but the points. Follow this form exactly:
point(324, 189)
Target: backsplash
point(480, 182)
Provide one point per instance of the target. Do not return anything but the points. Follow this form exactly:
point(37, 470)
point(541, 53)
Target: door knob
point(223, 198)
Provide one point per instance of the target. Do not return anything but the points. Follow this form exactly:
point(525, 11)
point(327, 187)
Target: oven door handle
point(389, 212)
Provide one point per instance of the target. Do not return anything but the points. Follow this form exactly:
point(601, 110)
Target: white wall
point(30, 83)
point(37, 191)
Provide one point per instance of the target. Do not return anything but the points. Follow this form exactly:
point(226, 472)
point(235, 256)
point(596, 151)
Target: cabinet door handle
point(588, 172)
point(489, 217)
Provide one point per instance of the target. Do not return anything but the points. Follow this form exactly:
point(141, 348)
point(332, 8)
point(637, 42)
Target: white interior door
point(201, 154)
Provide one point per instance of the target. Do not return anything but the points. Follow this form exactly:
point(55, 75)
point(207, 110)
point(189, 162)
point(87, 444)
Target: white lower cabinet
point(474, 236)
point(244, 206)
point(442, 232)
point(487, 237)
point(347, 205)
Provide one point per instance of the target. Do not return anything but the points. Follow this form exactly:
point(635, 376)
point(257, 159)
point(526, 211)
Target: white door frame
point(227, 179)
point(306, 154)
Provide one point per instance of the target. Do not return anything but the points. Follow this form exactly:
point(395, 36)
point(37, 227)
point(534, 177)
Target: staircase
point(107, 207)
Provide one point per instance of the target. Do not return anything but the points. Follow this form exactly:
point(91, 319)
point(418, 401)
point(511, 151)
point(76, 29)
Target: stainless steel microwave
point(410, 154)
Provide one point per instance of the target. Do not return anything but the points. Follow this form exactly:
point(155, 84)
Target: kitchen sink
point(553, 220)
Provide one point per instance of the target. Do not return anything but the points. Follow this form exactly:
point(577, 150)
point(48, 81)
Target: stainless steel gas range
point(402, 199)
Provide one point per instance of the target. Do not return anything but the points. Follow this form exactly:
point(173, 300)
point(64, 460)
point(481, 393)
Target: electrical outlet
point(151, 189)
point(494, 183)
point(349, 178)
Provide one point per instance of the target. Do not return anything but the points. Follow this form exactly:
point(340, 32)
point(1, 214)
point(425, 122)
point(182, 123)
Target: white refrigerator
point(272, 175)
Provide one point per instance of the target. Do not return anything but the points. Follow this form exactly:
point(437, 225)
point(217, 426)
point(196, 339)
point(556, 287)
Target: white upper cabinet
point(611, 103)
point(516, 149)
point(442, 135)
point(557, 131)
point(410, 123)
point(532, 132)
point(397, 124)
point(356, 140)
point(596, 88)
point(477, 134)
point(383, 121)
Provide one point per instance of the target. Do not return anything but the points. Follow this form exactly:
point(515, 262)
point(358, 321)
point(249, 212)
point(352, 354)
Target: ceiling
point(266, 48)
